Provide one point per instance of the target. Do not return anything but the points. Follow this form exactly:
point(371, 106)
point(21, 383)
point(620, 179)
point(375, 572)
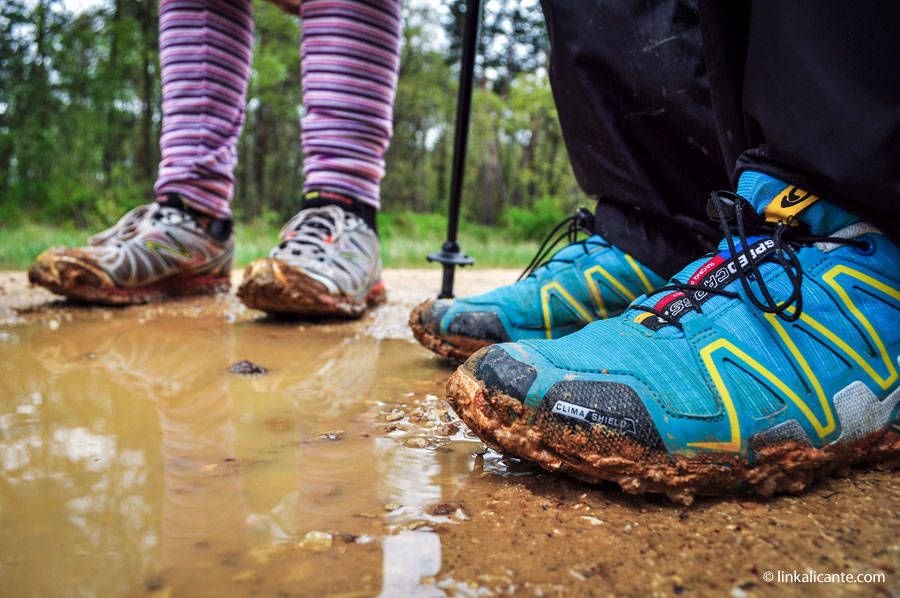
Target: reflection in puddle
point(133, 462)
point(203, 509)
point(408, 558)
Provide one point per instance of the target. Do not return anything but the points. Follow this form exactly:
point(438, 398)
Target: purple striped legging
point(350, 54)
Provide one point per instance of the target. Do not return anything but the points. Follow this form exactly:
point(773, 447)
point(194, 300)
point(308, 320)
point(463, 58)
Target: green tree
point(80, 113)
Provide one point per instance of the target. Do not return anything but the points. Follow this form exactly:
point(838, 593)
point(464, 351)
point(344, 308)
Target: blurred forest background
point(80, 118)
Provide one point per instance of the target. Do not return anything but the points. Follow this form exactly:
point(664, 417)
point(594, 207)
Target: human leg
point(328, 260)
point(206, 49)
point(631, 90)
point(808, 93)
point(633, 100)
point(351, 57)
point(182, 243)
point(769, 363)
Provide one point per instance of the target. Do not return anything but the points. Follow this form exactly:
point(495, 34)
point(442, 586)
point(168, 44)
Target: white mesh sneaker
point(327, 263)
point(154, 252)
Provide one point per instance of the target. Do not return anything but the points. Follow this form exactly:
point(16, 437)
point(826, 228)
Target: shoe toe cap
point(429, 314)
point(449, 318)
point(436, 312)
point(426, 317)
point(60, 267)
point(501, 373)
point(481, 325)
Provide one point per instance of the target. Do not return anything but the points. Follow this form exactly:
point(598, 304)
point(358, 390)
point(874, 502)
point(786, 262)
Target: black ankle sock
point(317, 198)
point(218, 228)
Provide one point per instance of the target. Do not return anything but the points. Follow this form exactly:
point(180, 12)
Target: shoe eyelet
point(870, 246)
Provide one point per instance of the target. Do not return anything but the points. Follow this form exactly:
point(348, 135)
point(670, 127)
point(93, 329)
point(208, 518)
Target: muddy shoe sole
point(458, 348)
point(502, 422)
point(274, 287)
point(76, 279)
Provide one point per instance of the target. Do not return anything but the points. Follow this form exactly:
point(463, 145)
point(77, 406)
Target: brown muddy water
point(134, 463)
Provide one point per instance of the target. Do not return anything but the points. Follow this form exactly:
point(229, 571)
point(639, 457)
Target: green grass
point(406, 238)
point(19, 245)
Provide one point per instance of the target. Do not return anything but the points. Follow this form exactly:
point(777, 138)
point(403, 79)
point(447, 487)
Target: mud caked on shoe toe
point(557, 294)
point(463, 334)
point(759, 368)
point(154, 252)
point(328, 263)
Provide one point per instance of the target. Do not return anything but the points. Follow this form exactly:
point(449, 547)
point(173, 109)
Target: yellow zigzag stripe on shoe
point(829, 277)
point(708, 352)
point(161, 249)
point(567, 298)
point(612, 280)
point(547, 291)
point(641, 276)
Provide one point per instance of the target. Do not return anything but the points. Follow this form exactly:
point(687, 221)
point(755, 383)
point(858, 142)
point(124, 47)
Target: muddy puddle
point(133, 462)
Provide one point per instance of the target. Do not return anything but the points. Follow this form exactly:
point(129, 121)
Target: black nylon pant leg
point(809, 92)
point(630, 85)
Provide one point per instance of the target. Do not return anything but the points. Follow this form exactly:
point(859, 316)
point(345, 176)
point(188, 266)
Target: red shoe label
point(717, 273)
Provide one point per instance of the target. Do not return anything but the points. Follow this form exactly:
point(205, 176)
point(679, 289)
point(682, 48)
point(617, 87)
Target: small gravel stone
point(394, 416)
point(247, 368)
point(316, 540)
point(444, 509)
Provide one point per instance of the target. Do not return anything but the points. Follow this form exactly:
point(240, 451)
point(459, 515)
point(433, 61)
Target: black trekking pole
point(450, 255)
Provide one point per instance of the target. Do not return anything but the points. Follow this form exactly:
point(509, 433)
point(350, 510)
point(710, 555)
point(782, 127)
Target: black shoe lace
point(309, 229)
point(735, 215)
point(581, 222)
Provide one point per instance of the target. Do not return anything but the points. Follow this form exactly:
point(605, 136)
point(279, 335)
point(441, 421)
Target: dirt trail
point(394, 498)
point(20, 302)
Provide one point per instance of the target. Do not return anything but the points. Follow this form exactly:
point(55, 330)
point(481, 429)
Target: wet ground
point(133, 462)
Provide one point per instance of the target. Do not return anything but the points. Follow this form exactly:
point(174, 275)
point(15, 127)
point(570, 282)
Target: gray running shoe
point(154, 252)
point(327, 263)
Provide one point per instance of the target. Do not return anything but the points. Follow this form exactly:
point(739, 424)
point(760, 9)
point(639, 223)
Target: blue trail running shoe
point(758, 368)
point(585, 281)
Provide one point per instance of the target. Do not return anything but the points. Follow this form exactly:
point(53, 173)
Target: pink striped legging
point(350, 54)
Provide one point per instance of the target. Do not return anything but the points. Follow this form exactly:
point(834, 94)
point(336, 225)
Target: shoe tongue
point(719, 271)
point(777, 201)
point(780, 201)
point(311, 226)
